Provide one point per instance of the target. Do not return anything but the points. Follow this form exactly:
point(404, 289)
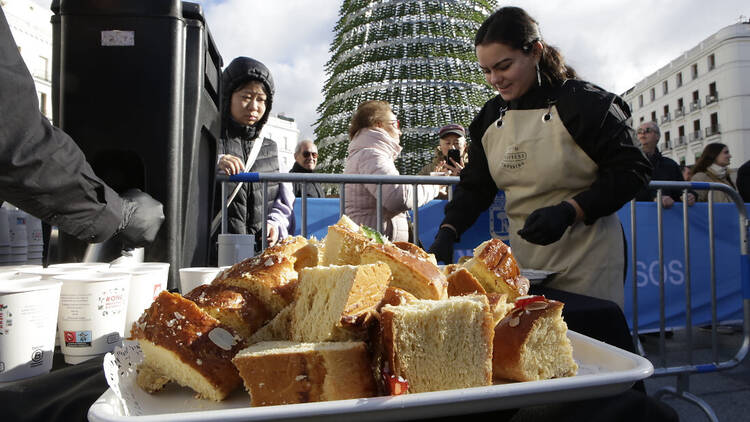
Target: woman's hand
point(229, 164)
point(272, 234)
point(453, 168)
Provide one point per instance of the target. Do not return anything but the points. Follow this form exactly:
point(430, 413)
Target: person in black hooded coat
point(248, 95)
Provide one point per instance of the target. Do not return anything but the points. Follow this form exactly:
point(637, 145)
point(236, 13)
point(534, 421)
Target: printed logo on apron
point(513, 158)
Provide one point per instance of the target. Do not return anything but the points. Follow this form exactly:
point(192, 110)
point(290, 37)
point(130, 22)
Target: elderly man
point(305, 160)
point(664, 168)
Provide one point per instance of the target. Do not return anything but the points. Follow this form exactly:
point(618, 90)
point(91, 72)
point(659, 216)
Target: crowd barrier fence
point(737, 282)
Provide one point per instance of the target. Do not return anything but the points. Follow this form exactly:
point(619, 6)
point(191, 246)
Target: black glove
point(142, 217)
point(547, 225)
point(442, 247)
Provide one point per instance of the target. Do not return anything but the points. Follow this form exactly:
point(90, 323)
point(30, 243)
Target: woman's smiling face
point(510, 71)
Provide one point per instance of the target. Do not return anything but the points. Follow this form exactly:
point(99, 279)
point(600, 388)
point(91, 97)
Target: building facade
point(30, 25)
point(701, 97)
point(282, 130)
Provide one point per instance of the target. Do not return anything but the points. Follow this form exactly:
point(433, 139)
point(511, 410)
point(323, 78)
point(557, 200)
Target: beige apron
point(538, 164)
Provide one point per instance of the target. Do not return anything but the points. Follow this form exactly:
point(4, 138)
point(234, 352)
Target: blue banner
point(728, 262)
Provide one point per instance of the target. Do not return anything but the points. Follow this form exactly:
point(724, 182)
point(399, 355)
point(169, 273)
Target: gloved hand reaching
point(442, 247)
point(547, 225)
point(142, 217)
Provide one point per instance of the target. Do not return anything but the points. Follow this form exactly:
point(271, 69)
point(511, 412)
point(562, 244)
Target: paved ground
point(727, 392)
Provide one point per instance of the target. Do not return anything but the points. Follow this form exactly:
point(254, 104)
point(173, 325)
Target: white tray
point(604, 371)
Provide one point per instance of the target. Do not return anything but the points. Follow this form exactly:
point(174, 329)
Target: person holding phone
point(450, 155)
point(564, 152)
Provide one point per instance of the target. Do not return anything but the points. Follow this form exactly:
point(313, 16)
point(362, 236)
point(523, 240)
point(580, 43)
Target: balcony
point(665, 118)
point(667, 145)
point(695, 136)
point(712, 131)
point(680, 140)
point(695, 105)
point(679, 112)
point(712, 98)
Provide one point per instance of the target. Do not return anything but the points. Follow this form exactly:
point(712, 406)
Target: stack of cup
point(28, 314)
point(34, 239)
point(147, 280)
point(93, 307)
point(4, 237)
point(91, 266)
point(19, 244)
point(48, 274)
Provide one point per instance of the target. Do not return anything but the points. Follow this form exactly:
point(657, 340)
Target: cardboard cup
point(146, 282)
point(93, 308)
point(193, 277)
point(28, 316)
point(234, 248)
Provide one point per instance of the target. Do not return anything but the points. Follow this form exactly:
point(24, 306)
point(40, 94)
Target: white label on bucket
point(116, 38)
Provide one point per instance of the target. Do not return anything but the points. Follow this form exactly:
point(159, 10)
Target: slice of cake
point(270, 278)
point(437, 345)
point(416, 275)
point(343, 244)
point(277, 329)
point(336, 302)
point(461, 282)
point(416, 250)
point(496, 269)
point(287, 372)
point(232, 306)
point(182, 343)
point(531, 342)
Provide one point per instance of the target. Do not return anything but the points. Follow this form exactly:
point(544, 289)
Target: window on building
point(714, 128)
point(666, 110)
point(653, 116)
point(667, 140)
point(665, 87)
point(694, 70)
point(681, 131)
point(652, 94)
point(640, 100)
point(711, 62)
point(679, 79)
point(680, 105)
point(697, 125)
point(43, 103)
point(696, 96)
point(712, 88)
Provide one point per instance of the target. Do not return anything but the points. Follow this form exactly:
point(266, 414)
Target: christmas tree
point(418, 55)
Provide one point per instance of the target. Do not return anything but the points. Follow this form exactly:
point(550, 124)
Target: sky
point(612, 43)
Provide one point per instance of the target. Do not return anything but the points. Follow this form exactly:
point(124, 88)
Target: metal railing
point(683, 372)
point(342, 180)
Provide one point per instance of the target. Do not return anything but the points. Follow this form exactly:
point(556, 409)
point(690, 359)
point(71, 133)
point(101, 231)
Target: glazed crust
point(233, 306)
point(417, 276)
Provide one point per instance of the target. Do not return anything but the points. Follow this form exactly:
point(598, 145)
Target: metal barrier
point(683, 372)
point(341, 180)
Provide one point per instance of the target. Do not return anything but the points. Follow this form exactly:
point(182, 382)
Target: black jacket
point(597, 120)
point(42, 170)
point(314, 190)
point(246, 211)
point(665, 169)
point(743, 181)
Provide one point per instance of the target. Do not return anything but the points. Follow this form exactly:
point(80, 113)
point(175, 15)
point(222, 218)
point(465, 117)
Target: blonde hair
point(368, 114)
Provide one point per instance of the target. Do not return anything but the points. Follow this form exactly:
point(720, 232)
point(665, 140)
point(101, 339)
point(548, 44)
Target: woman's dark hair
point(708, 156)
point(514, 27)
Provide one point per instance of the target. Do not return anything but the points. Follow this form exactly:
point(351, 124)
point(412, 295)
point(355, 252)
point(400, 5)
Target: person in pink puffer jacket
point(374, 134)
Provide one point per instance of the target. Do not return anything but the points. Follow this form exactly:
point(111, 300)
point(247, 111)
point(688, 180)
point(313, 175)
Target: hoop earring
point(538, 75)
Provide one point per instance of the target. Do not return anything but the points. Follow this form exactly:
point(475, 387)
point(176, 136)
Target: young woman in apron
point(564, 153)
